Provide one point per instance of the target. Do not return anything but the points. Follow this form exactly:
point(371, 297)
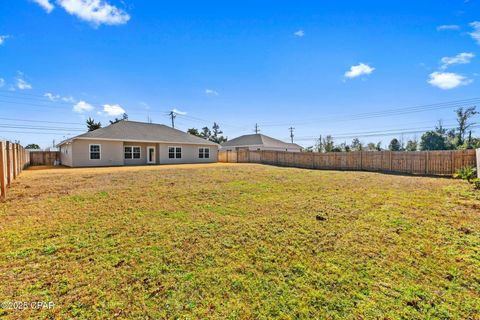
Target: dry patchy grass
point(239, 242)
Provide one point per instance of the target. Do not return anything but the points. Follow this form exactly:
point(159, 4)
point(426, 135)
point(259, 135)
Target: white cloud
point(448, 27)
point(51, 96)
point(299, 33)
point(22, 84)
point(95, 11)
point(82, 107)
point(45, 4)
point(113, 109)
point(179, 112)
point(57, 97)
point(3, 38)
point(2, 82)
point(475, 34)
point(448, 80)
point(68, 99)
point(210, 92)
point(359, 70)
point(461, 58)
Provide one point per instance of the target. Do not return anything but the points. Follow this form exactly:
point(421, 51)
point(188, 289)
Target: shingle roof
point(260, 140)
point(140, 131)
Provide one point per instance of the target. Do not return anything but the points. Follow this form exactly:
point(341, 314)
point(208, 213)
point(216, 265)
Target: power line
point(384, 113)
point(13, 126)
point(39, 121)
point(378, 134)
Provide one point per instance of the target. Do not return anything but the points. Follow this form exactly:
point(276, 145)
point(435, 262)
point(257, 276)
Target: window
point(204, 153)
point(174, 152)
point(132, 152)
point(95, 152)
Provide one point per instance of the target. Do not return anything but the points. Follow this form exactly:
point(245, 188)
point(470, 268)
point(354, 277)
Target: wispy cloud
point(113, 110)
point(475, 34)
point(21, 83)
point(448, 80)
point(461, 58)
point(3, 38)
point(2, 82)
point(145, 105)
point(174, 110)
point(82, 107)
point(96, 12)
point(210, 92)
point(359, 70)
point(45, 4)
point(68, 99)
point(299, 34)
point(448, 27)
point(57, 97)
point(51, 96)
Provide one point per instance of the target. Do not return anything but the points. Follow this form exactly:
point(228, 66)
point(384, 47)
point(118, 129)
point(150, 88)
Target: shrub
point(476, 183)
point(466, 173)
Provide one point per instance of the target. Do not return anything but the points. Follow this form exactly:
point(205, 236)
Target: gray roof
point(259, 140)
point(127, 130)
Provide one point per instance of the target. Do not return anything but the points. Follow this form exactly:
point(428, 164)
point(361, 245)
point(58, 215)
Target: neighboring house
point(260, 142)
point(135, 143)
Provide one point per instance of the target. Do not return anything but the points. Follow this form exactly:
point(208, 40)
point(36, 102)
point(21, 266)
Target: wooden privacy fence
point(418, 162)
point(49, 158)
point(13, 159)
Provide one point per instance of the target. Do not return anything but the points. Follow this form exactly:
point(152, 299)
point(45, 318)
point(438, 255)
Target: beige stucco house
point(136, 143)
point(260, 142)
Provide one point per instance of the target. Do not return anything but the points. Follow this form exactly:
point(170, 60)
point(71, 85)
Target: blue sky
point(306, 64)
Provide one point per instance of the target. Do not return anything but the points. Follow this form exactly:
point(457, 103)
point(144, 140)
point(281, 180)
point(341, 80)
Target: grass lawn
point(231, 241)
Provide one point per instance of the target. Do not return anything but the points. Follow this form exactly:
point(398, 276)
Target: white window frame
point(175, 152)
point(99, 151)
point(203, 153)
point(132, 158)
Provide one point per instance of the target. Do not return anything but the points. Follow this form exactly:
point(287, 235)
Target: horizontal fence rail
point(48, 158)
point(417, 162)
point(13, 159)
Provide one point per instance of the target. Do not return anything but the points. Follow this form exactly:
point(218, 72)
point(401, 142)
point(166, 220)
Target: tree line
point(439, 138)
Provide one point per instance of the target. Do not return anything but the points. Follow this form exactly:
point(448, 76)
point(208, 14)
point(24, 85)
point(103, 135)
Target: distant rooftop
point(259, 140)
point(127, 130)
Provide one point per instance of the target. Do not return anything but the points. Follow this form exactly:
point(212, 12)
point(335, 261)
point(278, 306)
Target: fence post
point(478, 162)
point(452, 157)
point(3, 182)
point(9, 162)
point(14, 160)
point(427, 162)
point(390, 160)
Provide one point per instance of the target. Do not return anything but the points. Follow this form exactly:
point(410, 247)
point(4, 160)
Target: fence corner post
point(3, 171)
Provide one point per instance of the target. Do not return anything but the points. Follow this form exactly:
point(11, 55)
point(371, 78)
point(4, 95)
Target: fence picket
point(415, 162)
point(13, 159)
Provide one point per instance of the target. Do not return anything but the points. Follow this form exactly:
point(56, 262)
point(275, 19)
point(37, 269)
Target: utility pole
point(257, 130)
point(291, 133)
point(173, 115)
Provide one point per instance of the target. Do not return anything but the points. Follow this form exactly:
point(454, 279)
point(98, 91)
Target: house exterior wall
point(143, 153)
point(111, 153)
point(189, 153)
point(66, 155)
